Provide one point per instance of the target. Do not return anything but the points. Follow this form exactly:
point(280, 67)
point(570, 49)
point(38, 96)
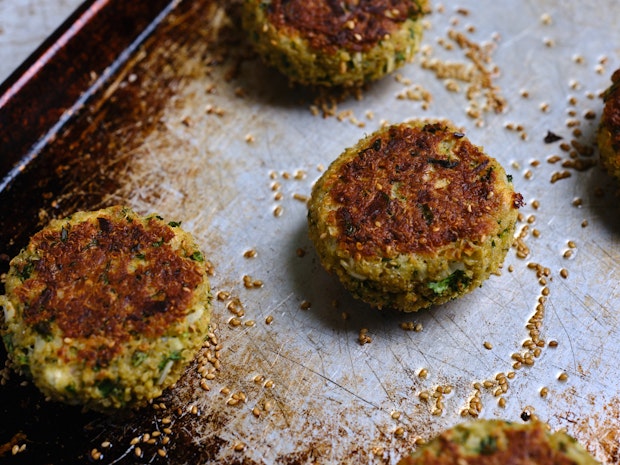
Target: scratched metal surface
point(24, 25)
point(224, 156)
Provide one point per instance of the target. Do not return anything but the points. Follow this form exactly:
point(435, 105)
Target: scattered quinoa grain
point(251, 253)
point(203, 385)
point(363, 337)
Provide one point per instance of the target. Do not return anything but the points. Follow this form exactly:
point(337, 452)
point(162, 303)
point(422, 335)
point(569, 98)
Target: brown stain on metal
point(599, 432)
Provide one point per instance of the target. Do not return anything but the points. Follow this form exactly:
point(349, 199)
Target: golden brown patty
point(327, 43)
point(497, 442)
point(609, 129)
point(106, 308)
point(413, 215)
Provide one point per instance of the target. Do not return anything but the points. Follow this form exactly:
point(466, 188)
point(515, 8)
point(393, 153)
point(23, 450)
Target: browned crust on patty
point(611, 111)
point(83, 285)
point(388, 197)
point(524, 445)
point(329, 25)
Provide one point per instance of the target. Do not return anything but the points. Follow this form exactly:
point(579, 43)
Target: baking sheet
point(24, 27)
point(192, 126)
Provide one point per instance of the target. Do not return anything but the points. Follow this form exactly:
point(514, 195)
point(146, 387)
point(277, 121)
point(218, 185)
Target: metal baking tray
point(162, 106)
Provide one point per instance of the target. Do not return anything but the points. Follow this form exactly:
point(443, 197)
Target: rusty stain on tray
point(198, 130)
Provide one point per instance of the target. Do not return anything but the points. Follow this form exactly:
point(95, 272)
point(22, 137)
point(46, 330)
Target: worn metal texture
point(25, 25)
point(195, 128)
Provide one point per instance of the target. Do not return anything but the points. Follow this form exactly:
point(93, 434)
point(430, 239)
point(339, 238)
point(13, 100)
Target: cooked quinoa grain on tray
point(349, 43)
point(105, 309)
point(413, 215)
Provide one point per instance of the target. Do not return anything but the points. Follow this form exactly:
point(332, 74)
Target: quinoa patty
point(608, 137)
point(105, 309)
point(327, 43)
point(497, 442)
point(413, 215)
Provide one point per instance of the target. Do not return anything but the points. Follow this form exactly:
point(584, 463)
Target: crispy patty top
point(355, 25)
point(414, 189)
point(107, 280)
point(611, 111)
point(517, 447)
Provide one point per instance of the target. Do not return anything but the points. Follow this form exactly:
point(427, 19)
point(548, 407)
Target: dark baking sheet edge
point(71, 66)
